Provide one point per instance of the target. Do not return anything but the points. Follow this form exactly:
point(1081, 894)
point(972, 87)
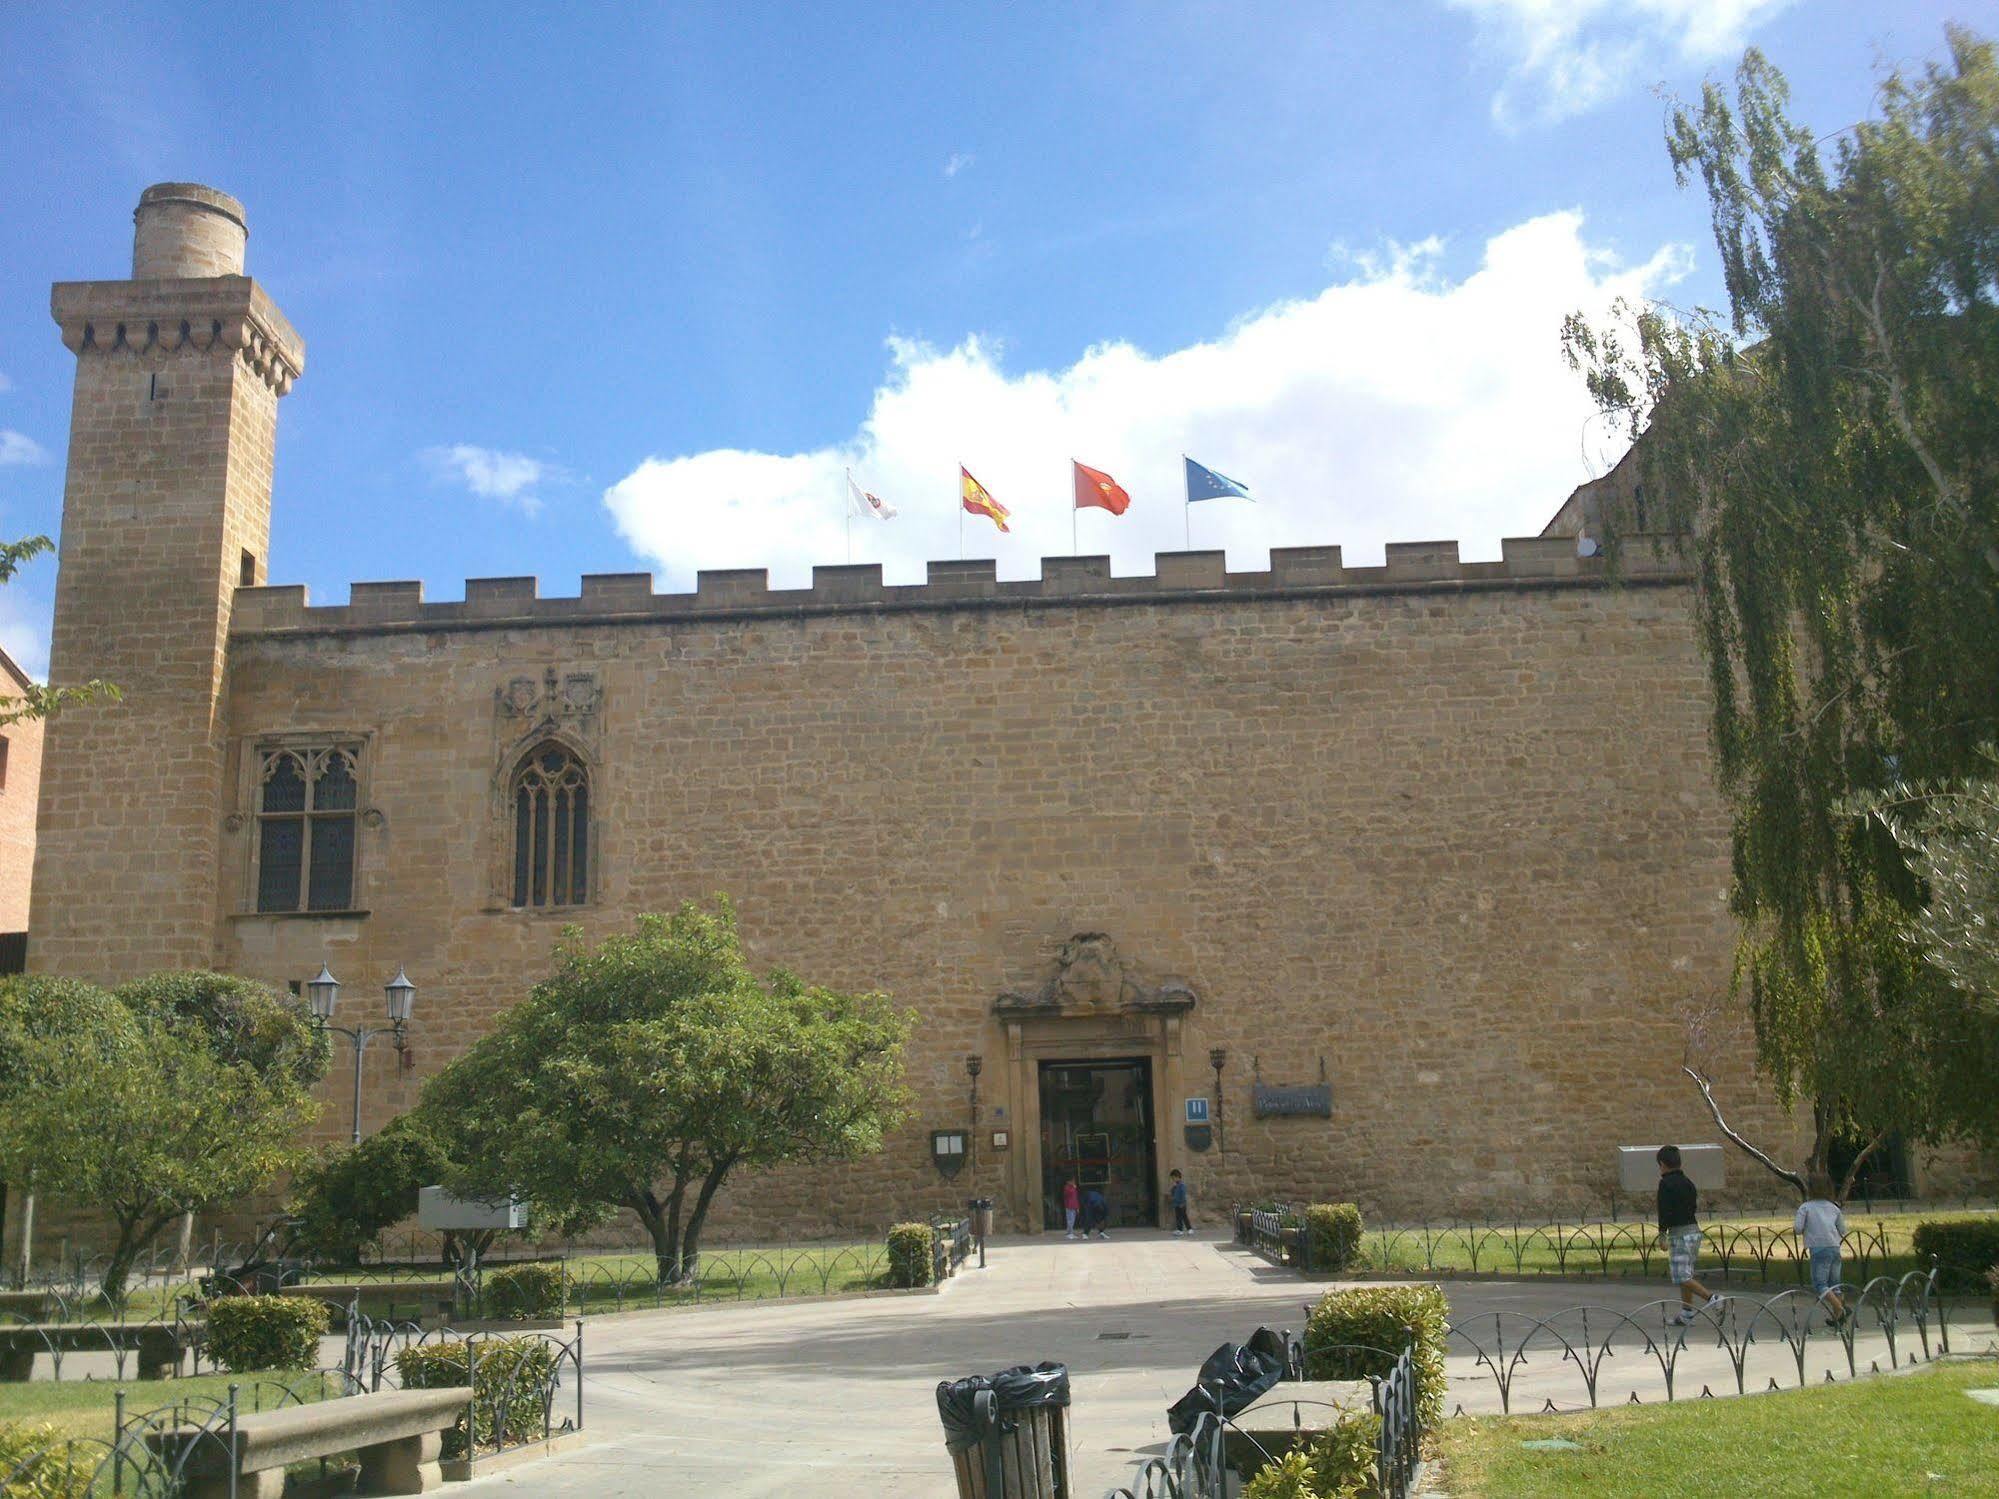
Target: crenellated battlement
point(1412, 566)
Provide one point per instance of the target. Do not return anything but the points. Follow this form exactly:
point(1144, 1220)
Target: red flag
point(1094, 487)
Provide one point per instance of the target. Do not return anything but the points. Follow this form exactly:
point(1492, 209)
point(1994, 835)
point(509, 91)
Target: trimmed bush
point(35, 1463)
point(1344, 1456)
point(1963, 1249)
point(1290, 1477)
point(1358, 1334)
point(912, 1249)
point(1332, 1235)
point(523, 1291)
point(265, 1332)
point(510, 1405)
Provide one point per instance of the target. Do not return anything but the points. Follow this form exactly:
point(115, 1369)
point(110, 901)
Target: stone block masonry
point(1455, 835)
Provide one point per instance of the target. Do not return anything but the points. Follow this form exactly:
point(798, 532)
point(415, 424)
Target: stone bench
point(398, 1434)
point(161, 1346)
point(429, 1297)
point(35, 1306)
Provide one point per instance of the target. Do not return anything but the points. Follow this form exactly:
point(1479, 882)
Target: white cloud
point(19, 448)
point(24, 631)
point(510, 478)
point(957, 162)
point(1568, 56)
point(1397, 404)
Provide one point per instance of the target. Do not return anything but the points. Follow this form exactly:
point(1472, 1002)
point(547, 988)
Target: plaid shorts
point(1683, 1249)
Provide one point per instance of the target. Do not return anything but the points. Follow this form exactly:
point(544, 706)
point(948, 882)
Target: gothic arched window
point(306, 803)
point(551, 828)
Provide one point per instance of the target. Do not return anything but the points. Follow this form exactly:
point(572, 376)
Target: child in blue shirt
point(1178, 1196)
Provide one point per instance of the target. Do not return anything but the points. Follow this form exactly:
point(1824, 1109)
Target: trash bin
point(981, 1209)
point(1008, 1433)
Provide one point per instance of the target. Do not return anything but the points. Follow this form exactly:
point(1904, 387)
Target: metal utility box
point(1638, 1168)
point(437, 1208)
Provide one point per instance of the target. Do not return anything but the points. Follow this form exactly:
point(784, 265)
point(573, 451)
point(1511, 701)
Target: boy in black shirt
point(1679, 1229)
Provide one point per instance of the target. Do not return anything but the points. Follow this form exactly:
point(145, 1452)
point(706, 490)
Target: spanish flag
point(978, 502)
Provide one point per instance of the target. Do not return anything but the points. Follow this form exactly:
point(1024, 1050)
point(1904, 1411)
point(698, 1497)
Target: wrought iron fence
point(951, 1246)
point(519, 1403)
point(1739, 1251)
point(1202, 1463)
point(1789, 1340)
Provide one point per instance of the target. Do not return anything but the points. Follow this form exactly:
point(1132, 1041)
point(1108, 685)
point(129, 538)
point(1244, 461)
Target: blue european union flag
point(1203, 483)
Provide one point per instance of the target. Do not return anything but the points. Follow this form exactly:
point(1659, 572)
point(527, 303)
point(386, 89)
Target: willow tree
point(1826, 452)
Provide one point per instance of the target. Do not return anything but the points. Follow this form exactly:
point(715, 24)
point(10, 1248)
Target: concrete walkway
point(838, 1397)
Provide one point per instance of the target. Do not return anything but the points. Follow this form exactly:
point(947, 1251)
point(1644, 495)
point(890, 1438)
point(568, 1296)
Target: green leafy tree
point(346, 1197)
point(650, 1066)
point(1826, 454)
point(38, 700)
point(142, 1111)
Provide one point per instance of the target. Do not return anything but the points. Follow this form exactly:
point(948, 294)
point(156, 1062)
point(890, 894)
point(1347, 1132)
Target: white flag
point(860, 502)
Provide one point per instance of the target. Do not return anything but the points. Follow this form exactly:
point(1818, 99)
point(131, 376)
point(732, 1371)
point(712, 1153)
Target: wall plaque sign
point(1304, 1099)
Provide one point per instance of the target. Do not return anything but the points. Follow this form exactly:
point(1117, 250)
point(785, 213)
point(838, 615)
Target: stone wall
point(1453, 834)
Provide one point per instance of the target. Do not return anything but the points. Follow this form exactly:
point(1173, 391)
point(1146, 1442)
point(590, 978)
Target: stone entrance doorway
point(1092, 1063)
point(1097, 1124)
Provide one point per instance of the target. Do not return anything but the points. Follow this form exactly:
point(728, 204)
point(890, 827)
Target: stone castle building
point(1395, 883)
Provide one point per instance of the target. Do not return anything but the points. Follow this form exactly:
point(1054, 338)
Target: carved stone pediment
point(1089, 977)
point(556, 701)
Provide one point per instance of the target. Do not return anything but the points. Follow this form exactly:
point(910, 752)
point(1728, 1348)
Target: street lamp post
point(323, 991)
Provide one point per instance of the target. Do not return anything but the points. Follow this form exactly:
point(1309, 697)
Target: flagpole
point(1187, 511)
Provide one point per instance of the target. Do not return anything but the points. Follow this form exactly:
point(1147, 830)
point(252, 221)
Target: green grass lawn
point(1888, 1435)
point(601, 1283)
point(1753, 1249)
point(613, 1281)
point(86, 1407)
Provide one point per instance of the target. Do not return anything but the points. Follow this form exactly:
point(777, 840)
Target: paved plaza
point(833, 1397)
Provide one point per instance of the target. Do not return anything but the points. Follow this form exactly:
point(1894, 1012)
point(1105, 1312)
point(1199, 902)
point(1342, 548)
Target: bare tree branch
point(1707, 1091)
point(1853, 1171)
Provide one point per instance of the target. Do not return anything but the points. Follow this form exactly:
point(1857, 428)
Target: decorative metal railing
point(1198, 1463)
point(1737, 1251)
point(1788, 1340)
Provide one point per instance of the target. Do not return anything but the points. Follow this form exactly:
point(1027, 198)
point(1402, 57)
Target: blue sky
point(597, 289)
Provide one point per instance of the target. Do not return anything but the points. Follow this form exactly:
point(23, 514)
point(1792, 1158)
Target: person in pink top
point(1071, 1199)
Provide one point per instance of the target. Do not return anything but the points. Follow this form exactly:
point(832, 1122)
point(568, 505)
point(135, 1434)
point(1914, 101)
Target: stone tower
point(166, 511)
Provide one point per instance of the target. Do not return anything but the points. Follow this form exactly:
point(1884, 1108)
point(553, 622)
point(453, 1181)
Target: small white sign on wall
point(1638, 1167)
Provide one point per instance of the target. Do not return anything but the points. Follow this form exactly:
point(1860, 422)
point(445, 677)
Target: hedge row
point(35, 1464)
point(912, 1254)
point(520, 1292)
point(1359, 1333)
point(1964, 1250)
point(265, 1332)
point(1339, 1463)
point(1332, 1235)
point(510, 1404)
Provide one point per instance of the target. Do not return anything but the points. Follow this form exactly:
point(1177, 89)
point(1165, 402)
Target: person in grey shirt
point(1822, 1226)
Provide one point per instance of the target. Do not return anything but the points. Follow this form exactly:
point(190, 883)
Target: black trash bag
point(968, 1420)
point(1229, 1381)
point(1279, 1346)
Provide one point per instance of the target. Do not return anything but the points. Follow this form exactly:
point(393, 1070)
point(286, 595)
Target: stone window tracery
point(551, 799)
point(307, 801)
